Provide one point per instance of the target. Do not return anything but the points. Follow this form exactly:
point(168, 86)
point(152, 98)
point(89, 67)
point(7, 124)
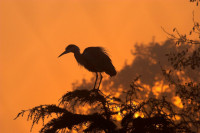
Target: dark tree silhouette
point(197, 1)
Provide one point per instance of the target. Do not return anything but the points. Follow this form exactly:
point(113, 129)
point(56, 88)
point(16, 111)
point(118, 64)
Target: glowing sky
point(34, 32)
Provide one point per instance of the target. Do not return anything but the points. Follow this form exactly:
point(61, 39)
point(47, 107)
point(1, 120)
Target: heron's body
point(94, 59)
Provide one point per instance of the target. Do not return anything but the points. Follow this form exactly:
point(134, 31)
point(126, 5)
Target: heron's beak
point(65, 52)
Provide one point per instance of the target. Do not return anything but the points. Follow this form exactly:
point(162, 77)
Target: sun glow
point(138, 114)
point(33, 33)
point(177, 102)
point(159, 87)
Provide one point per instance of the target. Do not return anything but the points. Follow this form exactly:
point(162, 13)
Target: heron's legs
point(95, 80)
point(100, 81)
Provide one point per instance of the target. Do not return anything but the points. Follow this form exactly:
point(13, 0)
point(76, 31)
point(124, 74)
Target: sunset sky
point(34, 32)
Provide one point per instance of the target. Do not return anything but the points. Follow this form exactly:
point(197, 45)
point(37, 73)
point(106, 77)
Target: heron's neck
point(79, 57)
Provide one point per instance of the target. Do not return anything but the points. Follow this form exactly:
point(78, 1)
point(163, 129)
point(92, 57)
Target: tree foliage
point(195, 1)
point(157, 115)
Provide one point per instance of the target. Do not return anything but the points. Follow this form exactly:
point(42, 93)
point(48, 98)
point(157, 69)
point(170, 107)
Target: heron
point(94, 59)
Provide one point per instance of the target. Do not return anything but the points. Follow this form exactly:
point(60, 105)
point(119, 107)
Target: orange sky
point(33, 33)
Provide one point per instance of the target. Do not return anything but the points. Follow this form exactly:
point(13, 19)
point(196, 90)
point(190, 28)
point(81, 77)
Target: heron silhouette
point(94, 59)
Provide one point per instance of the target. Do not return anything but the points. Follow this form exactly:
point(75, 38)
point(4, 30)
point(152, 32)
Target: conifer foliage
point(158, 115)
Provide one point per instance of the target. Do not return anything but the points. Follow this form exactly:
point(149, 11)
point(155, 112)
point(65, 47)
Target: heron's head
point(70, 48)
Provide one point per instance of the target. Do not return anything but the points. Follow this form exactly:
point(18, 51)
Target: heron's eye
point(70, 48)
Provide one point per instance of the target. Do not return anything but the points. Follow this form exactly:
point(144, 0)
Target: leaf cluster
point(190, 55)
point(195, 1)
point(189, 92)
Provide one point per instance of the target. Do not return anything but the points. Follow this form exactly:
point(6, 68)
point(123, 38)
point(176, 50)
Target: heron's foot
point(95, 89)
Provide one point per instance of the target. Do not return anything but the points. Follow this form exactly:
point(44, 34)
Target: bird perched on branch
point(94, 59)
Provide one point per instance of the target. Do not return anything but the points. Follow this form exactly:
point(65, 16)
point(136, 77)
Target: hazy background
point(33, 33)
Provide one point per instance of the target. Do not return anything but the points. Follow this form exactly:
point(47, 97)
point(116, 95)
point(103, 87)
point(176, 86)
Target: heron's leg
point(100, 80)
point(95, 80)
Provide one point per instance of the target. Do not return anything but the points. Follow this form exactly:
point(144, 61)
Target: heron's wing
point(97, 57)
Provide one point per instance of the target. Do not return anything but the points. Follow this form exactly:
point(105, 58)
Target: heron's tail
point(111, 71)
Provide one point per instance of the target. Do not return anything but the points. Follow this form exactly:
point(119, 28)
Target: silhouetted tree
point(197, 1)
point(159, 115)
